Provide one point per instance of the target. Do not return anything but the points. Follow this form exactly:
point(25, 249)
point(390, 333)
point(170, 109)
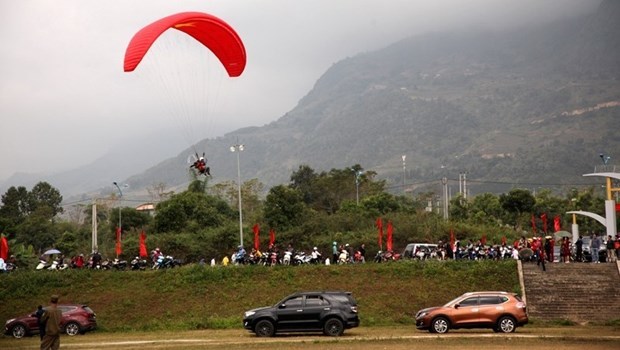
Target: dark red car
point(76, 318)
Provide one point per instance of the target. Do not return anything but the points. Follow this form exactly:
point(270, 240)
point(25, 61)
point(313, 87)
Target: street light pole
point(357, 174)
point(404, 171)
point(239, 148)
point(120, 204)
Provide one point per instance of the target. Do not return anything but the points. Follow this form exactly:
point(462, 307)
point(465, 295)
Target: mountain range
point(530, 107)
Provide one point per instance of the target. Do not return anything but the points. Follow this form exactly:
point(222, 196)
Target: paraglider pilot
point(201, 165)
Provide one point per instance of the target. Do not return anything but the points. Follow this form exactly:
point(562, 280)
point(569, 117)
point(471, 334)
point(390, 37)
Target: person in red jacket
point(565, 250)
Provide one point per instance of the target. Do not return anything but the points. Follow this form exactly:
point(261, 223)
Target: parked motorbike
point(138, 264)
point(43, 265)
point(166, 262)
point(119, 264)
point(286, 260)
point(301, 258)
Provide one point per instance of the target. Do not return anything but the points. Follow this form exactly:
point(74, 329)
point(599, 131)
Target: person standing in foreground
point(51, 317)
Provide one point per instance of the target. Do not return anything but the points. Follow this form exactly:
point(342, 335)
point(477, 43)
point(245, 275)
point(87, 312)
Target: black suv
point(331, 312)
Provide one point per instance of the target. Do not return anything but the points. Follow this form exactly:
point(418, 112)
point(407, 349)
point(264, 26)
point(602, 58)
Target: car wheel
point(333, 327)
point(440, 325)
point(72, 328)
point(264, 328)
point(506, 324)
point(18, 331)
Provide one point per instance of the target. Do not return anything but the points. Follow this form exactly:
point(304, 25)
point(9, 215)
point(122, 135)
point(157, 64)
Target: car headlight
point(9, 321)
point(421, 314)
point(249, 313)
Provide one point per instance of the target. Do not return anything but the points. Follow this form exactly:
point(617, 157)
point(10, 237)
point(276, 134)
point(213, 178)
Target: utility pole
point(94, 226)
point(444, 182)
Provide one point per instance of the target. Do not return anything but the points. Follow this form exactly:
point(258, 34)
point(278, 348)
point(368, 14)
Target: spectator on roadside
point(565, 250)
point(617, 246)
point(225, 260)
point(362, 251)
point(579, 249)
point(611, 250)
point(2, 266)
point(41, 325)
point(335, 252)
point(548, 248)
point(79, 261)
point(96, 258)
point(595, 246)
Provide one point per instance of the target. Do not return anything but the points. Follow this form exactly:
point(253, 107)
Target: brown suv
point(500, 311)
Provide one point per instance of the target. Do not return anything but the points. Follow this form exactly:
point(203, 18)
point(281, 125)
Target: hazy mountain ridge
point(495, 104)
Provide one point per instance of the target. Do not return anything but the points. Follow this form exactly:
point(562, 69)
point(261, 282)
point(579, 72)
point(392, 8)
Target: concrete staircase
point(579, 292)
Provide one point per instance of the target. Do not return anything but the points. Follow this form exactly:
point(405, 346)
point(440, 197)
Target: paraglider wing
point(209, 30)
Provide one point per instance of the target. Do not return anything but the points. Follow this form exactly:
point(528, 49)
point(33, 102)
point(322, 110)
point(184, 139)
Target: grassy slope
point(195, 297)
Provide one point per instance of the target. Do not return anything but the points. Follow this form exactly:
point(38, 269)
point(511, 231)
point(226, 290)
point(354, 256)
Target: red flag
point(556, 223)
point(483, 240)
point(503, 240)
point(143, 251)
point(452, 239)
point(533, 224)
point(118, 242)
point(390, 231)
point(272, 237)
point(256, 230)
point(4, 248)
point(543, 217)
point(379, 225)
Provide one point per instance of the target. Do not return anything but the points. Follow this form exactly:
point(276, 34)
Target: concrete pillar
point(610, 217)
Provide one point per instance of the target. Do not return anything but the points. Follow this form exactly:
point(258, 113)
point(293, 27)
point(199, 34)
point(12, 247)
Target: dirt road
point(363, 338)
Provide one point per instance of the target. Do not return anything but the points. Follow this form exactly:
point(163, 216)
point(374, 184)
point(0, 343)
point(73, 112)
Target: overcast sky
point(65, 100)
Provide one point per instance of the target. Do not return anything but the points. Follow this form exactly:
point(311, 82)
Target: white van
point(417, 248)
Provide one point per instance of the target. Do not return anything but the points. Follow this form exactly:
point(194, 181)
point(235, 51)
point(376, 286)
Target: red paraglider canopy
point(209, 30)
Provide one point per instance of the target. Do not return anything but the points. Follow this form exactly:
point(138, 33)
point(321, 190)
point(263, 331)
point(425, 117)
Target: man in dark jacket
point(41, 325)
point(51, 317)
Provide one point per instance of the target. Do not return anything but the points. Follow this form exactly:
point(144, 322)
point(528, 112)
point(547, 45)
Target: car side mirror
point(282, 306)
point(457, 306)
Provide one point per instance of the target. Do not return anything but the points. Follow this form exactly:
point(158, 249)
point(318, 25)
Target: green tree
point(304, 181)
point(486, 209)
point(515, 204)
point(191, 210)
point(44, 195)
point(284, 208)
point(16, 206)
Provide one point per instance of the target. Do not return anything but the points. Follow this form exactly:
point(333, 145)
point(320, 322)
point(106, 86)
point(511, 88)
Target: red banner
point(4, 248)
point(256, 230)
point(543, 217)
point(390, 231)
point(483, 240)
point(452, 239)
point(272, 237)
point(556, 223)
point(118, 242)
point(143, 250)
point(379, 225)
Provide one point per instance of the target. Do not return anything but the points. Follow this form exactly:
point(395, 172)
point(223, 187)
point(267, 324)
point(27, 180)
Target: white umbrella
point(52, 251)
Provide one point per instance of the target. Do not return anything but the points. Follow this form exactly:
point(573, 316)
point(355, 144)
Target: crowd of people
point(535, 249)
